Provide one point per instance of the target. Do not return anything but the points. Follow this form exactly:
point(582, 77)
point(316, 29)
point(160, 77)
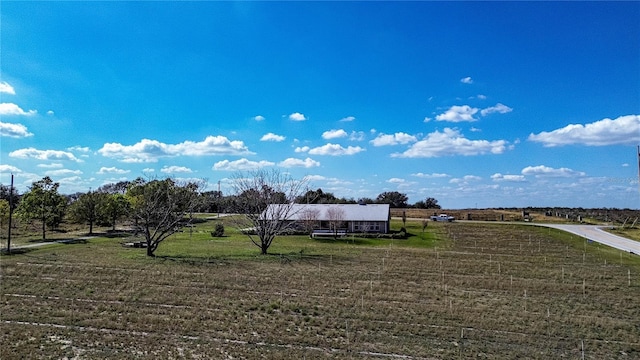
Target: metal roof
point(352, 212)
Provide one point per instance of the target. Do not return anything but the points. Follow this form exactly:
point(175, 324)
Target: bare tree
point(309, 218)
point(336, 216)
point(265, 203)
point(162, 207)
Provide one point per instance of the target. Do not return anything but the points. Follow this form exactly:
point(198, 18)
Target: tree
point(336, 216)
point(431, 203)
point(265, 202)
point(160, 208)
point(115, 207)
point(309, 218)
point(211, 201)
point(6, 194)
point(317, 197)
point(4, 213)
point(43, 202)
point(393, 198)
point(87, 208)
point(116, 188)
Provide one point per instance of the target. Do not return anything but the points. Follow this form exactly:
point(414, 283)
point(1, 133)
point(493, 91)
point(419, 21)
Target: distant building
point(347, 218)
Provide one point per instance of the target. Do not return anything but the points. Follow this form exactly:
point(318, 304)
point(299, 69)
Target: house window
point(366, 226)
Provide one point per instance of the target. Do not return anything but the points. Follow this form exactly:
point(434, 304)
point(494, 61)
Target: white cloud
point(357, 136)
point(242, 164)
point(50, 113)
point(13, 109)
point(297, 117)
point(50, 166)
point(301, 149)
point(482, 97)
point(348, 119)
point(395, 139)
point(451, 142)
point(14, 130)
point(464, 180)
point(32, 153)
point(175, 169)
point(500, 177)
point(430, 176)
point(498, 108)
point(292, 162)
point(625, 165)
point(6, 88)
point(335, 150)
point(458, 113)
point(467, 80)
point(334, 134)
point(62, 172)
point(623, 130)
point(9, 169)
point(151, 150)
point(545, 171)
point(259, 118)
point(396, 181)
point(84, 149)
point(317, 178)
point(148, 170)
point(272, 137)
point(112, 170)
point(427, 119)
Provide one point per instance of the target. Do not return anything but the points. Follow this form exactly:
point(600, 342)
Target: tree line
point(158, 208)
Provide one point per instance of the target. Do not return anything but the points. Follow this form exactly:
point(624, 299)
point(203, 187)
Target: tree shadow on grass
point(17, 251)
point(74, 241)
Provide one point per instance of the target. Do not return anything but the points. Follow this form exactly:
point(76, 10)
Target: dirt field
point(485, 291)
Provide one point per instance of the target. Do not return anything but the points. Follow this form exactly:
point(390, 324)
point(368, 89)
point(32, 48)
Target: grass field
point(457, 291)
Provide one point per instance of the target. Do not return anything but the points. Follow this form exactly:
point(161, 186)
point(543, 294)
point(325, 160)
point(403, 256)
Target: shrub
point(219, 231)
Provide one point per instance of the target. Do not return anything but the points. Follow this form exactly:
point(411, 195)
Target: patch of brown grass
point(496, 291)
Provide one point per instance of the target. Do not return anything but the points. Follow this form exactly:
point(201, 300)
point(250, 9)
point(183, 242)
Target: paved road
point(595, 233)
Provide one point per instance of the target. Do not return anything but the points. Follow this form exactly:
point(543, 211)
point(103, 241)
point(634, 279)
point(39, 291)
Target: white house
point(350, 218)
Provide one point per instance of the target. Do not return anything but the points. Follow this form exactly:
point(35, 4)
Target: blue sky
point(484, 104)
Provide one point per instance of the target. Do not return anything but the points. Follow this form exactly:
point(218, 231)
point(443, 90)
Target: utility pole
point(10, 215)
point(219, 199)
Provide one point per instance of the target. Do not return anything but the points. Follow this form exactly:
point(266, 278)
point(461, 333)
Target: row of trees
point(158, 208)
point(215, 201)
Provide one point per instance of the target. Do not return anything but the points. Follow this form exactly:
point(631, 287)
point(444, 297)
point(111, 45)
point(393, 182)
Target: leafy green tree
point(317, 197)
point(211, 201)
point(4, 213)
point(431, 203)
point(87, 208)
point(160, 208)
point(393, 198)
point(43, 202)
point(115, 207)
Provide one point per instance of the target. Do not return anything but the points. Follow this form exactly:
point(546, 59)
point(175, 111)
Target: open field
point(457, 291)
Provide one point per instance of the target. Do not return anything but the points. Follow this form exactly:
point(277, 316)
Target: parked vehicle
point(442, 217)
